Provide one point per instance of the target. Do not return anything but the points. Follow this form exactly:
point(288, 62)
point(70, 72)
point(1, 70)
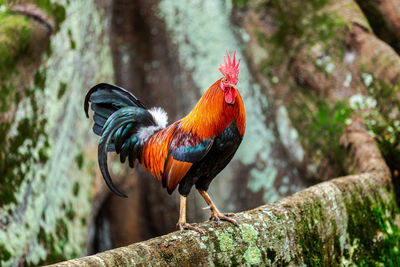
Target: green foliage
point(328, 121)
point(53, 9)
point(71, 40)
point(371, 227)
point(15, 35)
point(50, 7)
point(4, 253)
point(75, 189)
point(385, 128)
point(240, 3)
point(39, 79)
point(322, 124)
point(61, 90)
point(388, 137)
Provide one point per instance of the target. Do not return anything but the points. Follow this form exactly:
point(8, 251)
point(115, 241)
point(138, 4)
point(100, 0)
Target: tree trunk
point(47, 155)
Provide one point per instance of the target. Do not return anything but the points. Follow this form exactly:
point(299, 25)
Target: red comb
point(230, 68)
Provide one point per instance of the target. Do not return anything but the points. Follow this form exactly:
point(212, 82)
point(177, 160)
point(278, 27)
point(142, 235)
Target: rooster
point(190, 151)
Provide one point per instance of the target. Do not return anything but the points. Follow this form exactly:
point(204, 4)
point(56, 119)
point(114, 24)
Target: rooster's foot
point(190, 226)
point(218, 217)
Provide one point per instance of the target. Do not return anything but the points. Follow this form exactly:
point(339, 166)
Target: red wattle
point(230, 96)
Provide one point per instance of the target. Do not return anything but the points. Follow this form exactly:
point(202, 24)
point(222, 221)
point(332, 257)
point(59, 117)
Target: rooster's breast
point(220, 154)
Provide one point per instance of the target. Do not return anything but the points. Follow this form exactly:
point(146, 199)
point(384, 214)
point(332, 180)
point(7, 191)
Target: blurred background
point(308, 69)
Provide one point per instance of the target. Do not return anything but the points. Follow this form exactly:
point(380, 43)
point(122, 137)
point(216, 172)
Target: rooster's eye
point(226, 79)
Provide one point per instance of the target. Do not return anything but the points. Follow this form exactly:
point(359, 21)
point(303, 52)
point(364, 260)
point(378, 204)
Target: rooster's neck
point(212, 114)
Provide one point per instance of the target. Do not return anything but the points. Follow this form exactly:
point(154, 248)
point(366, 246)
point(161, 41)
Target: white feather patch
point(160, 116)
point(161, 119)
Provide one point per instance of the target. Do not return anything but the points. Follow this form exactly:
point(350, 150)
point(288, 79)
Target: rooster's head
point(228, 83)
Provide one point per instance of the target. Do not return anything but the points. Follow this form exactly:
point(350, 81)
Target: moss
point(372, 223)
point(167, 257)
point(28, 146)
point(70, 213)
point(4, 253)
point(383, 119)
point(15, 35)
point(372, 234)
point(380, 111)
point(54, 242)
point(336, 242)
point(75, 189)
point(240, 3)
point(302, 23)
point(322, 124)
point(79, 159)
point(310, 240)
point(40, 78)
point(72, 42)
point(54, 9)
point(358, 226)
point(50, 7)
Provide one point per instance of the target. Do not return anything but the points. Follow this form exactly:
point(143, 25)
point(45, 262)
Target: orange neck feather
point(212, 114)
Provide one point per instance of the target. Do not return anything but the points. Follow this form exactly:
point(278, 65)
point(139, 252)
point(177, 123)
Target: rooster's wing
point(185, 150)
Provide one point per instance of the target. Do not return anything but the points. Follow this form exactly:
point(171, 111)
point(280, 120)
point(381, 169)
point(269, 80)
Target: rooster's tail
point(124, 124)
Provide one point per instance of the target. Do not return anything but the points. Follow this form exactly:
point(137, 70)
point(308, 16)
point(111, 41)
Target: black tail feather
point(116, 123)
point(103, 110)
point(97, 129)
point(111, 95)
point(118, 115)
point(98, 119)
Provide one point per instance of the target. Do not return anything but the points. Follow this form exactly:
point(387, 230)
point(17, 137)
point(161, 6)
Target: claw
point(187, 226)
point(215, 214)
point(218, 217)
point(182, 218)
point(215, 219)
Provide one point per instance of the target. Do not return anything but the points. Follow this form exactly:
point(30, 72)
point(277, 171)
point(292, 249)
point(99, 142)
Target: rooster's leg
point(215, 214)
point(183, 225)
